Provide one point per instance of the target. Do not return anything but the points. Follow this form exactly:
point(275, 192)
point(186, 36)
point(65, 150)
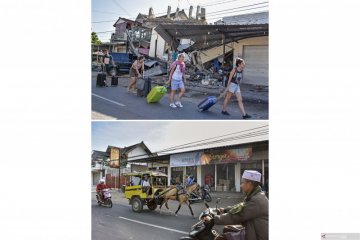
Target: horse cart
point(139, 196)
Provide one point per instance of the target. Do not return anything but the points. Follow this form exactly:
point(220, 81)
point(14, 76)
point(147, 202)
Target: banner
point(226, 156)
point(114, 158)
point(185, 159)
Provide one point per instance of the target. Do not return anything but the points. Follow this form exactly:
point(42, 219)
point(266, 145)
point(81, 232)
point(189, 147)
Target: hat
point(252, 175)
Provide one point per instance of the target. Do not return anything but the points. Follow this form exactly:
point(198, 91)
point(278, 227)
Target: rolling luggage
point(101, 79)
point(207, 103)
point(156, 94)
point(114, 81)
point(143, 86)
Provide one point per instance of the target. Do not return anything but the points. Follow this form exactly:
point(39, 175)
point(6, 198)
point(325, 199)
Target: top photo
point(180, 60)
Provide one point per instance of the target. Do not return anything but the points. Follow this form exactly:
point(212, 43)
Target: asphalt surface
point(120, 222)
point(115, 103)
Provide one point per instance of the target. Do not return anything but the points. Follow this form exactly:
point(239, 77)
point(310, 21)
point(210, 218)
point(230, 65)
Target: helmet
point(102, 181)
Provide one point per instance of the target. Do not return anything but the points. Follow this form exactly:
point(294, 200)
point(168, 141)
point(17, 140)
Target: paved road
point(116, 103)
point(120, 222)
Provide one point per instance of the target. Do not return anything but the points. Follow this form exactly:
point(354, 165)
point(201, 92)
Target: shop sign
point(114, 158)
point(185, 159)
point(226, 156)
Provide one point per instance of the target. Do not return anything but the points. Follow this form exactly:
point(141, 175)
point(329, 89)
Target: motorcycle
point(205, 195)
point(203, 230)
point(107, 202)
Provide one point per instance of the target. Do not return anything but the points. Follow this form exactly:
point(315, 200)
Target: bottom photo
point(180, 180)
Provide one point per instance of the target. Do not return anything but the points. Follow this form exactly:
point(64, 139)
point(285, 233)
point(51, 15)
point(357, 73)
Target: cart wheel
point(137, 205)
point(152, 205)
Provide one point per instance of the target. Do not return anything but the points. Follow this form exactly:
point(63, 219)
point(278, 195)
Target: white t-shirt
point(177, 75)
point(145, 183)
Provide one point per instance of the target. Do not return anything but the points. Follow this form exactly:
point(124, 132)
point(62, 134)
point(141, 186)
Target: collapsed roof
point(208, 36)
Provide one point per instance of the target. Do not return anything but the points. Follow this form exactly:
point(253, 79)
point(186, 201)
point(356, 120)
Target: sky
point(104, 13)
point(158, 135)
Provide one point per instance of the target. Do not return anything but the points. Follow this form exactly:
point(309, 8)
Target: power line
point(261, 132)
point(216, 137)
point(249, 135)
point(105, 31)
point(212, 16)
point(117, 4)
point(105, 12)
point(217, 3)
point(105, 21)
point(226, 10)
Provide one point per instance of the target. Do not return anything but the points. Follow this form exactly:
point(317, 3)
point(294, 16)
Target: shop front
point(221, 168)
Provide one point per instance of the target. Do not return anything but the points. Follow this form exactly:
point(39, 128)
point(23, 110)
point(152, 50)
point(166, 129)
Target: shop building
point(220, 167)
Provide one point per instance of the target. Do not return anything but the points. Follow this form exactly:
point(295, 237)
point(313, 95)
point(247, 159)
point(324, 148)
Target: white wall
point(138, 151)
point(160, 45)
point(237, 176)
point(199, 177)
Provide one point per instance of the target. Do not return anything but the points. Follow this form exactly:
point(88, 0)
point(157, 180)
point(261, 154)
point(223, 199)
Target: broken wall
point(160, 49)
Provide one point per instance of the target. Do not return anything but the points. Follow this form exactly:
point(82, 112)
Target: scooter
point(107, 202)
point(203, 230)
point(205, 195)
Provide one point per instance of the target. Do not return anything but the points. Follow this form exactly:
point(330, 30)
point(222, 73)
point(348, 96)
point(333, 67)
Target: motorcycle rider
point(252, 213)
point(99, 189)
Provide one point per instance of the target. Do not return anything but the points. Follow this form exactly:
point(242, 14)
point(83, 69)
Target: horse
point(173, 194)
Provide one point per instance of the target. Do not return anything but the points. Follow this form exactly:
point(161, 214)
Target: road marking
point(156, 226)
point(117, 103)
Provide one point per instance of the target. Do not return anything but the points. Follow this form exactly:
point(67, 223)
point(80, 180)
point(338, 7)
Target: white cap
point(102, 180)
point(252, 175)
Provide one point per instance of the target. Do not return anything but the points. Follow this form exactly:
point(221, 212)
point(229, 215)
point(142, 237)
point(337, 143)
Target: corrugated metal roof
point(208, 36)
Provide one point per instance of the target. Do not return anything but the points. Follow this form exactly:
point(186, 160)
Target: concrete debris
point(155, 71)
point(150, 63)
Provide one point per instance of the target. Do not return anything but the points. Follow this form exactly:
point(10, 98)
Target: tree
point(94, 38)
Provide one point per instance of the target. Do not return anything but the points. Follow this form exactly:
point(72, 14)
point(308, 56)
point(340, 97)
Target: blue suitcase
point(207, 103)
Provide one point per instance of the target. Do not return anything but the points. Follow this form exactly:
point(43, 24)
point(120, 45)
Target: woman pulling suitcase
point(233, 87)
point(136, 70)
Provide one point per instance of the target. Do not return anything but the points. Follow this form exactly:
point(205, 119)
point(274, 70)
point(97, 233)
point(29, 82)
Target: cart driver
point(145, 184)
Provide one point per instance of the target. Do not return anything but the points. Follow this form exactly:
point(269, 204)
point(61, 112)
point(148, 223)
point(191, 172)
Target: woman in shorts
point(177, 80)
point(136, 70)
point(233, 87)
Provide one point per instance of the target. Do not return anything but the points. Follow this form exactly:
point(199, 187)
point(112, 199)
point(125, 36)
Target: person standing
point(106, 60)
point(177, 80)
point(233, 87)
point(136, 70)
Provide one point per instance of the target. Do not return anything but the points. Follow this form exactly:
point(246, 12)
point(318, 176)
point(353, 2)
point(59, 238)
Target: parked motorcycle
point(205, 195)
point(203, 230)
point(107, 202)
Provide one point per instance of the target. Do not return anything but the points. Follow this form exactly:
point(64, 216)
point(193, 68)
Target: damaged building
point(208, 47)
point(217, 46)
point(139, 36)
